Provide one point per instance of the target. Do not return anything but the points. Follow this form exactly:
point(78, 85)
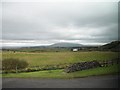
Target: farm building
point(75, 49)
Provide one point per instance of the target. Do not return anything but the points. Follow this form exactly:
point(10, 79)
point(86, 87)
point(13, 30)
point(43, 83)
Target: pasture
point(59, 58)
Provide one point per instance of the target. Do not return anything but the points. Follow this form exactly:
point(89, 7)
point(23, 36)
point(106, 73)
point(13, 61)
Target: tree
point(13, 64)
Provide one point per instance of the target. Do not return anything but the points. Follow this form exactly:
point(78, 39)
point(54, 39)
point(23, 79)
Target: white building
point(75, 49)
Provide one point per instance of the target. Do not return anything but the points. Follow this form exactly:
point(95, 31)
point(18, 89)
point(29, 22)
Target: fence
point(106, 63)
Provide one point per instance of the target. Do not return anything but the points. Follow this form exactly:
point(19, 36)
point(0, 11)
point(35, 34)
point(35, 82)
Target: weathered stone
point(82, 66)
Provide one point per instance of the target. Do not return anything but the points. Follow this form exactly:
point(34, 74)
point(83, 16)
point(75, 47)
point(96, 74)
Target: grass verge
point(61, 74)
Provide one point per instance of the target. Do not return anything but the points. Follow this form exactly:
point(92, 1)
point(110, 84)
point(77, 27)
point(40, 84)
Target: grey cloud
point(87, 22)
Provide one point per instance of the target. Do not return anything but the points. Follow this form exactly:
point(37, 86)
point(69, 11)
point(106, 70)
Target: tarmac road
point(109, 81)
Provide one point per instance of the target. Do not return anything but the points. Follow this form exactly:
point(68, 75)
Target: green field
point(59, 58)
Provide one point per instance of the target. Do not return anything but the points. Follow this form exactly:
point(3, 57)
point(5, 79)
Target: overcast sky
point(43, 23)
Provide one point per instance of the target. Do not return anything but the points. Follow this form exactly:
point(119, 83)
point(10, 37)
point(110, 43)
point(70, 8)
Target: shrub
point(13, 64)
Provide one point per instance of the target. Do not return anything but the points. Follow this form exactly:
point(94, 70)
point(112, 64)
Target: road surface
point(110, 81)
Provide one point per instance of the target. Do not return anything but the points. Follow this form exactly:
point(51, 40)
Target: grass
point(62, 74)
point(59, 58)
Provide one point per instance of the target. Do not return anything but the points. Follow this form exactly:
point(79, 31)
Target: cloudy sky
point(44, 23)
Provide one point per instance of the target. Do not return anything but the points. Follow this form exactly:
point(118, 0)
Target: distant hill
point(64, 44)
point(113, 46)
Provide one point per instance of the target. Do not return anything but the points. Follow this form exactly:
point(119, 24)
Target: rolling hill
point(64, 44)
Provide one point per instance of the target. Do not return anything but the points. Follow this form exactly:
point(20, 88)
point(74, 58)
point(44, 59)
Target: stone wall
point(91, 64)
point(82, 66)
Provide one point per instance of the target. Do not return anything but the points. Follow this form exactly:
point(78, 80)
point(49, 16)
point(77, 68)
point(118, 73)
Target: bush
point(13, 64)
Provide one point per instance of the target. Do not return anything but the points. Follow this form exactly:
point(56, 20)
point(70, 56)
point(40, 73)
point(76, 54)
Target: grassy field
point(59, 58)
point(61, 74)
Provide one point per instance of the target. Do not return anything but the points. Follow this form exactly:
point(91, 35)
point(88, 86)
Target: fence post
point(16, 69)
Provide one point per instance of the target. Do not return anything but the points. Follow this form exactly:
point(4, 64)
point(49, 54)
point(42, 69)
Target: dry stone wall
point(82, 66)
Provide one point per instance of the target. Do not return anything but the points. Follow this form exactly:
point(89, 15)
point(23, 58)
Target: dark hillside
point(113, 46)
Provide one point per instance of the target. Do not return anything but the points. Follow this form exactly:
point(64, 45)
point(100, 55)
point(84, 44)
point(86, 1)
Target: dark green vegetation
point(113, 46)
